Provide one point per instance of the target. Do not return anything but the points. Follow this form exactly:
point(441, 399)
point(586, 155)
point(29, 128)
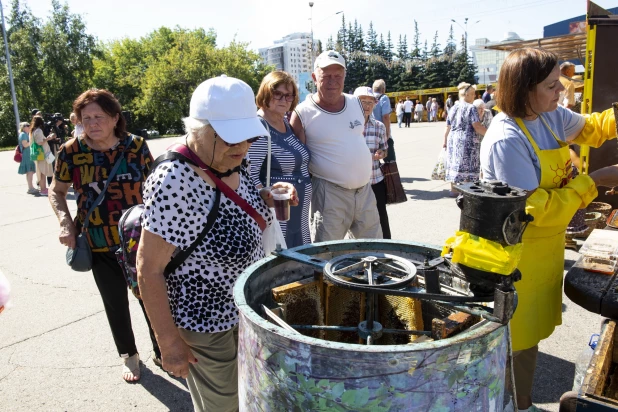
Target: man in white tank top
point(331, 124)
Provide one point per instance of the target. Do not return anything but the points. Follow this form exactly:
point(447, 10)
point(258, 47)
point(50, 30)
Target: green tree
point(415, 53)
point(371, 42)
point(342, 37)
point(389, 47)
point(451, 47)
point(402, 48)
point(463, 69)
point(425, 53)
point(51, 62)
point(435, 47)
point(24, 36)
point(330, 44)
point(359, 37)
point(66, 52)
point(351, 41)
point(382, 47)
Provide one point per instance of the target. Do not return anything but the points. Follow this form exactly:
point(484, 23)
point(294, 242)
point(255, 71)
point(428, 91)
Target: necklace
point(224, 174)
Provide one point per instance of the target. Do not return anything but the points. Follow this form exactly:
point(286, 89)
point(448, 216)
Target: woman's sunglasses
point(252, 140)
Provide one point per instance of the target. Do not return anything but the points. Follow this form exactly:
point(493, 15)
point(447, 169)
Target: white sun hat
point(364, 91)
point(328, 58)
point(229, 106)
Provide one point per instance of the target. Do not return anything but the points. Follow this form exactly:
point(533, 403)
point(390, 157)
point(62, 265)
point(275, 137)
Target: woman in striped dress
point(278, 95)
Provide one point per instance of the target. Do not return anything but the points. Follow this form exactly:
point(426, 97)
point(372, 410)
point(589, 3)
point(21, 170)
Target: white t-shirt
point(399, 108)
point(507, 155)
point(407, 106)
point(338, 150)
point(419, 107)
point(79, 130)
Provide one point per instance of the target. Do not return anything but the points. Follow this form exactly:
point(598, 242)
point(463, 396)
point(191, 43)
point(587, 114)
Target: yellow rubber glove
point(556, 207)
point(599, 128)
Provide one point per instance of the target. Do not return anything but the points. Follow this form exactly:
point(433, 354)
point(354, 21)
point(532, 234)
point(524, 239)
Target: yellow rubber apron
point(539, 309)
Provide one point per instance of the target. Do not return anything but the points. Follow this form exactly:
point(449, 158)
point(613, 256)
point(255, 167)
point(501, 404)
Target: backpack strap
point(170, 155)
point(184, 254)
point(177, 260)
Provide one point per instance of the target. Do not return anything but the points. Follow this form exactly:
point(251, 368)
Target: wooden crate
point(602, 373)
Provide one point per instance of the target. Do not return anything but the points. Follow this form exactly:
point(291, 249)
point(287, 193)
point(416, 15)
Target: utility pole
point(311, 20)
point(8, 64)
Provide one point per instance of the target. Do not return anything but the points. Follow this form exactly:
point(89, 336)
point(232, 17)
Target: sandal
point(131, 369)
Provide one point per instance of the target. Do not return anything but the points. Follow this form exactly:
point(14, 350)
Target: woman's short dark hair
point(270, 83)
point(37, 123)
point(108, 103)
point(521, 72)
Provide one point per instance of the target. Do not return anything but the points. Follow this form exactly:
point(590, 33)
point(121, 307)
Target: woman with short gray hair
point(485, 115)
point(192, 308)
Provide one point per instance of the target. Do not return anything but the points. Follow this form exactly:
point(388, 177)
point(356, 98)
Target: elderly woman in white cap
point(376, 139)
point(485, 115)
point(192, 309)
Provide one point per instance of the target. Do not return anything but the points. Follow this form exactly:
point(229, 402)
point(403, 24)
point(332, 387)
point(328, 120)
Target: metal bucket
point(280, 370)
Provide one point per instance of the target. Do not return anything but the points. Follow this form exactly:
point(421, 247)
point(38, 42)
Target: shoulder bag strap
point(227, 191)
point(184, 254)
point(177, 260)
point(265, 123)
point(109, 180)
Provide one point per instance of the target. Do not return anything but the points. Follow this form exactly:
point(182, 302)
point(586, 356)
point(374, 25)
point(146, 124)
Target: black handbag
point(80, 258)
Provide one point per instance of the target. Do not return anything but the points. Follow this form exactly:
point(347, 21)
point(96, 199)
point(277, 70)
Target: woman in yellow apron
point(527, 147)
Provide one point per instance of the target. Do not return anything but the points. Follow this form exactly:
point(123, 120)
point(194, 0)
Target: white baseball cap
point(327, 58)
point(229, 106)
point(364, 91)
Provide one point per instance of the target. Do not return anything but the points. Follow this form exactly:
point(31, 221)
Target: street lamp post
point(311, 19)
point(465, 29)
point(8, 64)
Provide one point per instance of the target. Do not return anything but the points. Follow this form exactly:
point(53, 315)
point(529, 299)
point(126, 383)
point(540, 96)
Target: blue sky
point(261, 22)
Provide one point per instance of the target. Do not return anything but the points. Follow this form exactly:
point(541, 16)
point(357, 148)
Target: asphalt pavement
point(56, 349)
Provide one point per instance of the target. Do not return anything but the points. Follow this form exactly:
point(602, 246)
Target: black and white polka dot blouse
point(177, 202)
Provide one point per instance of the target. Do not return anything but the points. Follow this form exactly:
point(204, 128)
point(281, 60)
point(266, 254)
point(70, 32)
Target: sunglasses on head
point(252, 140)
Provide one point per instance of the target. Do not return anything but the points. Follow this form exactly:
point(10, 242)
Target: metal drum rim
point(483, 328)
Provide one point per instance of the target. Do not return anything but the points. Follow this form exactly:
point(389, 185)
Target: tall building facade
point(489, 62)
point(292, 54)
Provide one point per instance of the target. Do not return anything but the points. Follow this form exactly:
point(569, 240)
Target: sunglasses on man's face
point(252, 140)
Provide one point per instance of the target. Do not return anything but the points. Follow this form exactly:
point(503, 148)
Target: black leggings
point(114, 293)
point(379, 190)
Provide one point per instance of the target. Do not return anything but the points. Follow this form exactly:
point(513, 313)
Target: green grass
point(7, 148)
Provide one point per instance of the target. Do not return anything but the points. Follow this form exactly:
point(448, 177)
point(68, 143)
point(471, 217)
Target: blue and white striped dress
point(289, 163)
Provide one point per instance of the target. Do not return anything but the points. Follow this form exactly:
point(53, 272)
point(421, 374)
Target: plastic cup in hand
point(281, 197)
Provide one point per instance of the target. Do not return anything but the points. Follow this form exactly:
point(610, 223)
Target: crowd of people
point(39, 144)
point(240, 148)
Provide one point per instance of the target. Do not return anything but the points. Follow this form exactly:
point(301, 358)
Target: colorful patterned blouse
point(87, 169)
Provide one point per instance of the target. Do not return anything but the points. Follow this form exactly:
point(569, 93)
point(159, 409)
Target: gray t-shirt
point(507, 155)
